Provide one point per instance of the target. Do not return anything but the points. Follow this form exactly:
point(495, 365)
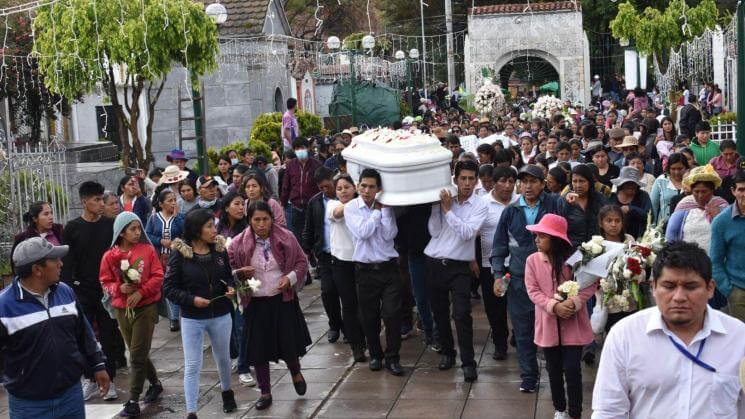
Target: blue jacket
point(513, 240)
point(141, 207)
point(154, 229)
point(726, 251)
point(46, 349)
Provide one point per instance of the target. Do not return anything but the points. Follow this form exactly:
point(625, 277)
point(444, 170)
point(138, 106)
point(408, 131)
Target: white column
point(630, 62)
point(717, 57)
point(643, 70)
point(142, 121)
point(74, 123)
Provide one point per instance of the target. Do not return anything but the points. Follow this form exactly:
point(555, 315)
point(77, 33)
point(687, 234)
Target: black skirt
point(274, 330)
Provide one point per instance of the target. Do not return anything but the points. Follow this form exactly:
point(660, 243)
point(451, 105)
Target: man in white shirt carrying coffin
point(373, 228)
point(679, 359)
point(454, 225)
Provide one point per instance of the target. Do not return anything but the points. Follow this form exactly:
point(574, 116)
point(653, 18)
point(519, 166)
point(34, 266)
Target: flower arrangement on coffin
point(489, 99)
point(131, 274)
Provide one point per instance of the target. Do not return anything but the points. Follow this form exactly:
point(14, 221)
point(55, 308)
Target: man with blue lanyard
point(512, 240)
point(679, 359)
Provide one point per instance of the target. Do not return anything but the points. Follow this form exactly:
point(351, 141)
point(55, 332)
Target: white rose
point(597, 249)
point(587, 246)
point(124, 265)
point(651, 258)
point(254, 285)
point(627, 274)
point(133, 275)
point(597, 239)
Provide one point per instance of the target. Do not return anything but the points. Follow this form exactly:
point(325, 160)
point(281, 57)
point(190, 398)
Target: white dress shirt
point(372, 231)
point(342, 246)
point(494, 213)
point(643, 375)
point(454, 234)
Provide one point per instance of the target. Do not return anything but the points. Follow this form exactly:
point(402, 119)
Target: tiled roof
point(556, 6)
point(245, 17)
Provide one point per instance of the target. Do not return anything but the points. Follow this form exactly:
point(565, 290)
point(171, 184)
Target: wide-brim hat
point(176, 154)
point(172, 174)
point(553, 225)
point(616, 133)
point(628, 174)
point(354, 130)
point(629, 141)
point(702, 174)
point(484, 120)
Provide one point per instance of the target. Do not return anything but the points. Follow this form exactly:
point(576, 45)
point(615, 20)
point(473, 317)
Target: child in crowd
point(612, 229)
point(562, 328)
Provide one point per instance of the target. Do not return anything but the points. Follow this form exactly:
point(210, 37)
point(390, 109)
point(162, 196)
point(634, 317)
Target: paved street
point(339, 389)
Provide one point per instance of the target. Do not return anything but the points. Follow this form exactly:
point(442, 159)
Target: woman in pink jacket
point(562, 328)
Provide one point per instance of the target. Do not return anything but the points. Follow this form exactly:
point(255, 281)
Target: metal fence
point(29, 174)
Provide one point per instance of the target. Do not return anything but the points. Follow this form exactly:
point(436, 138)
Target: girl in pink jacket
point(562, 328)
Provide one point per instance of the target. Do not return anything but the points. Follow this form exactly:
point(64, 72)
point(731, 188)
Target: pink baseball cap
point(553, 225)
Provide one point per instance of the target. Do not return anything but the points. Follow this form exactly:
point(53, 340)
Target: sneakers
point(527, 386)
point(131, 409)
point(561, 415)
point(246, 380)
point(153, 392)
point(234, 365)
point(90, 390)
point(111, 394)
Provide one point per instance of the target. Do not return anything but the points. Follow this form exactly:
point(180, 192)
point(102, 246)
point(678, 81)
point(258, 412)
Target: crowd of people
point(184, 246)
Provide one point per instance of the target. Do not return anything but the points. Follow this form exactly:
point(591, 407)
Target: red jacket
point(298, 185)
point(151, 274)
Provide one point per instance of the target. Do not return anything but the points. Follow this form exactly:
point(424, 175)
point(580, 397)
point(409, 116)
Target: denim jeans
point(192, 338)
point(236, 342)
point(68, 405)
point(418, 271)
point(522, 313)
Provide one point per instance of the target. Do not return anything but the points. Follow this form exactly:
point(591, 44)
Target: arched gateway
point(542, 44)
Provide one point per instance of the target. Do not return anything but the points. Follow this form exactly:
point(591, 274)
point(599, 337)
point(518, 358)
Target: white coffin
point(414, 168)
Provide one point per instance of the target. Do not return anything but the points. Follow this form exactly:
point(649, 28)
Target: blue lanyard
point(696, 359)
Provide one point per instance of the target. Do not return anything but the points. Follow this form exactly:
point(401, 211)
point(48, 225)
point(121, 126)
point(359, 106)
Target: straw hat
point(553, 225)
point(702, 174)
point(629, 141)
point(172, 174)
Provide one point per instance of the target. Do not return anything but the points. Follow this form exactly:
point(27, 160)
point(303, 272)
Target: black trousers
point(329, 293)
point(407, 294)
point(379, 296)
point(109, 337)
point(496, 310)
point(564, 362)
point(452, 281)
point(343, 275)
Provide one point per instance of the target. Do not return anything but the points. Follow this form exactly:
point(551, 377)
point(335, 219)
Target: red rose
point(634, 266)
point(644, 251)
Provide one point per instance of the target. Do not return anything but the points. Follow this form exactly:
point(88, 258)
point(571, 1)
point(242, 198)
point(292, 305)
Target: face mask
point(301, 154)
point(233, 161)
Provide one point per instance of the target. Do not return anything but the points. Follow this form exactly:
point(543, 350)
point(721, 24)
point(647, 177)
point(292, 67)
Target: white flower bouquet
point(546, 106)
point(489, 99)
point(131, 274)
point(567, 289)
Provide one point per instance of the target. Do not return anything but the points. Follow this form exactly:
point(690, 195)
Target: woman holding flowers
point(275, 326)
point(200, 281)
point(132, 275)
point(562, 325)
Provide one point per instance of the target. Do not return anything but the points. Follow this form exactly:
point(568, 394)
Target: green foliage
point(656, 31)
point(310, 124)
point(258, 147)
point(726, 117)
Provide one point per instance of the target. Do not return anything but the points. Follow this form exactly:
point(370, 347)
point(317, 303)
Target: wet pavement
point(338, 388)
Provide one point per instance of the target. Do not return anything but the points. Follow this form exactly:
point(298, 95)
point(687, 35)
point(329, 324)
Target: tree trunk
point(151, 102)
point(121, 118)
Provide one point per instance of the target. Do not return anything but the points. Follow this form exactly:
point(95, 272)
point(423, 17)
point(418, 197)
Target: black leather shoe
point(358, 352)
point(394, 368)
point(300, 387)
point(470, 374)
point(333, 335)
point(375, 364)
point(264, 402)
point(446, 362)
point(174, 326)
point(499, 355)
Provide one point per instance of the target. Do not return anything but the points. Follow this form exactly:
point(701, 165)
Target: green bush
point(310, 124)
point(723, 118)
point(267, 127)
point(258, 147)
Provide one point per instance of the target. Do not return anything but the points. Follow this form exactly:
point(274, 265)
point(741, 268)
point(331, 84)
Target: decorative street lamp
point(413, 56)
point(217, 12)
point(368, 42)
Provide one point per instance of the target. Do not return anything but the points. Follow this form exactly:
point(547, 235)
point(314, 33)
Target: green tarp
point(376, 104)
point(550, 87)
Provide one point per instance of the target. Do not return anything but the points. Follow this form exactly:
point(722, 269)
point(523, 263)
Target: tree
point(656, 32)
point(339, 18)
point(83, 44)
